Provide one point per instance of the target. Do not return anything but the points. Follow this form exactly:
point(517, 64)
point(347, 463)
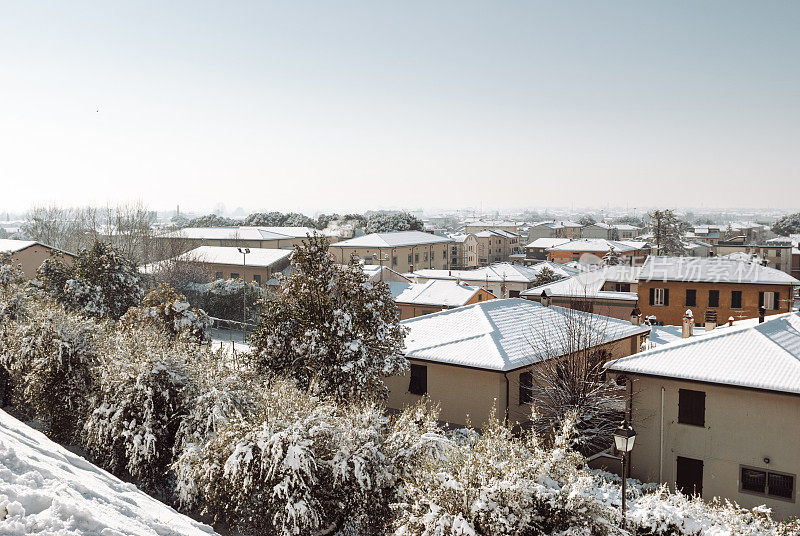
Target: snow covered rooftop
point(435, 292)
point(499, 272)
point(12, 246)
point(500, 335)
point(711, 270)
point(590, 284)
point(47, 490)
point(258, 257)
point(395, 239)
point(596, 245)
point(496, 232)
point(245, 233)
point(761, 356)
point(546, 243)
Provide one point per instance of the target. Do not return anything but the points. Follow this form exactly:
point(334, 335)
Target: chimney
point(687, 327)
point(636, 316)
point(730, 321)
point(411, 268)
point(545, 298)
point(761, 312)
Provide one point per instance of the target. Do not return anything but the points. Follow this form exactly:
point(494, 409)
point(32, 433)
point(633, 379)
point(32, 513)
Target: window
point(409, 258)
point(736, 299)
point(416, 257)
point(689, 477)
point(513, 294)
point(394, 260)
point(659, 296)
point(425, 258)
point(762, 482)
point(525, 388)
point(692, 407)
point(219, 275)
point(713, 298)
point(622, 287)
point(691, 297)
point(257, 279)
point(234, 275)
point(419, 380)
point(769, 300)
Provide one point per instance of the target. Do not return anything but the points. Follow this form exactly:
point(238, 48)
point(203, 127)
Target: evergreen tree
point(332, 332)
point(546, 275)
point(667, 232)
point(167, 310)
point(384, 222)
point(787, 225)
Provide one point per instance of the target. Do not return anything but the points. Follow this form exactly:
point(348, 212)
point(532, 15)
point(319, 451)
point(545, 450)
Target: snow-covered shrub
point(51, 362)
point(295, 464)
point(497, 484)
point(167, 310)
point(101, 282)
point(329, 330)
point(143, 390)
point(12, 307)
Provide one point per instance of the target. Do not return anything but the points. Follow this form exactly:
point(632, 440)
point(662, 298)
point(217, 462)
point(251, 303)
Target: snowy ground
point(46, 489)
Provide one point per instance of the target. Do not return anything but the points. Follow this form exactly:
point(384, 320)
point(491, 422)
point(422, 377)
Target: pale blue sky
point(354, 105)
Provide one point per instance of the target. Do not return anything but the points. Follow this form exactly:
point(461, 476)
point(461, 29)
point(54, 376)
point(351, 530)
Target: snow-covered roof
point(496, 232)
point(495, 223)
point(625, 227)
point(435, 292)
point(459, 237)
point(762, 356)
point(595, 245)
point(245, 233)
point(590, 284)
point(501, 335)
point(49, 490)
point(373, 271)
point(711, 270)
point(498, 272)
point(546, 243)
point(8, 245)
point(395, 239)
point(258, 257)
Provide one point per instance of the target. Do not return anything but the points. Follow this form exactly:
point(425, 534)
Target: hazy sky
point(354, 105)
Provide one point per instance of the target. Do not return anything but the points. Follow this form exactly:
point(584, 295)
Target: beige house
point(717, 415)
point(403, 251)
point(29, 255)
point(487, 225)
point(554, 229)
point(504, 280)
point(478, 359)
point(463, 251)
point(259, 265)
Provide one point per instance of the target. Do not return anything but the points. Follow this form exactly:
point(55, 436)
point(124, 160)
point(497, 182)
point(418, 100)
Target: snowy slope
point(45, 489)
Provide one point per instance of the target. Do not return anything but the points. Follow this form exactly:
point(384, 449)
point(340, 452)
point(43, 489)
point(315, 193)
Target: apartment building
point(714, 289)
point(632, 253)
point(554, 229)
point(487, 225)
point(496, 245)
point(402, 251)
point(463, 251)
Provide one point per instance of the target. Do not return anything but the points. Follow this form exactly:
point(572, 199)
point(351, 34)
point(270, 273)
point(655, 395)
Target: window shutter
point(777, 304)
point(666, 296)
point(653, 296)
point(760, 299)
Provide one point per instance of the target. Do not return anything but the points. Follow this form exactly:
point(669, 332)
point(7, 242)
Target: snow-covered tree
point(143, 391)
point(613, 258)
point(546, 275)
point(667, 232)
point(13, 305)
point(168, 310)
point(327, 328)
point(51, 363)
point(787, 225)
point(101, 282)
point(384, 222)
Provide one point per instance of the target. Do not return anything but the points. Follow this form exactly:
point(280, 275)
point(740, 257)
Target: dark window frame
point(715, 303)
point(689, 409)
point(418, 382)
point(525, 388)
point(693, 302)
point(766, 493)
point(736, 303)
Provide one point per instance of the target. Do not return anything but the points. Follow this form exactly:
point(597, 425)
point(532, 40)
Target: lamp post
point(624, 437)
point(244, 252)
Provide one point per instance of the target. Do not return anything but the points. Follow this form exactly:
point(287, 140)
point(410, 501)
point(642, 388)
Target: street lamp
point(244, 252)
point(624, 436)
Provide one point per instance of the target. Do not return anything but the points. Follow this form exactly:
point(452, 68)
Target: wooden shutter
point(652, 296)
point(760, 299)
point(525, 386)
point(691, 407)
point(666, 296)
point(689, 477)
point(777, 302)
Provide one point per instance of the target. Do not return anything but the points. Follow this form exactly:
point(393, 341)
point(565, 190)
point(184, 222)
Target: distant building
point(476, 360)
point(598, 230)
point(496, 245)
point(29, 255)
point(714, 289)
point(554, 229)
point(717, 415)
point(417, 299)
point(537, 250)
point(463, 251)
point(632, 253)
point(402, 251)
point(504, 280)
point(487, 225)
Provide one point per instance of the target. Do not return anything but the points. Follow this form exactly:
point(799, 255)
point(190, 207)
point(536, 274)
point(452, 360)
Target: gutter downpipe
point(505, 418)
point(661, 442)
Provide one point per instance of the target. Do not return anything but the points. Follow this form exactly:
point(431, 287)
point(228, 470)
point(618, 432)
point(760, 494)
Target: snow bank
point(45, 489)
